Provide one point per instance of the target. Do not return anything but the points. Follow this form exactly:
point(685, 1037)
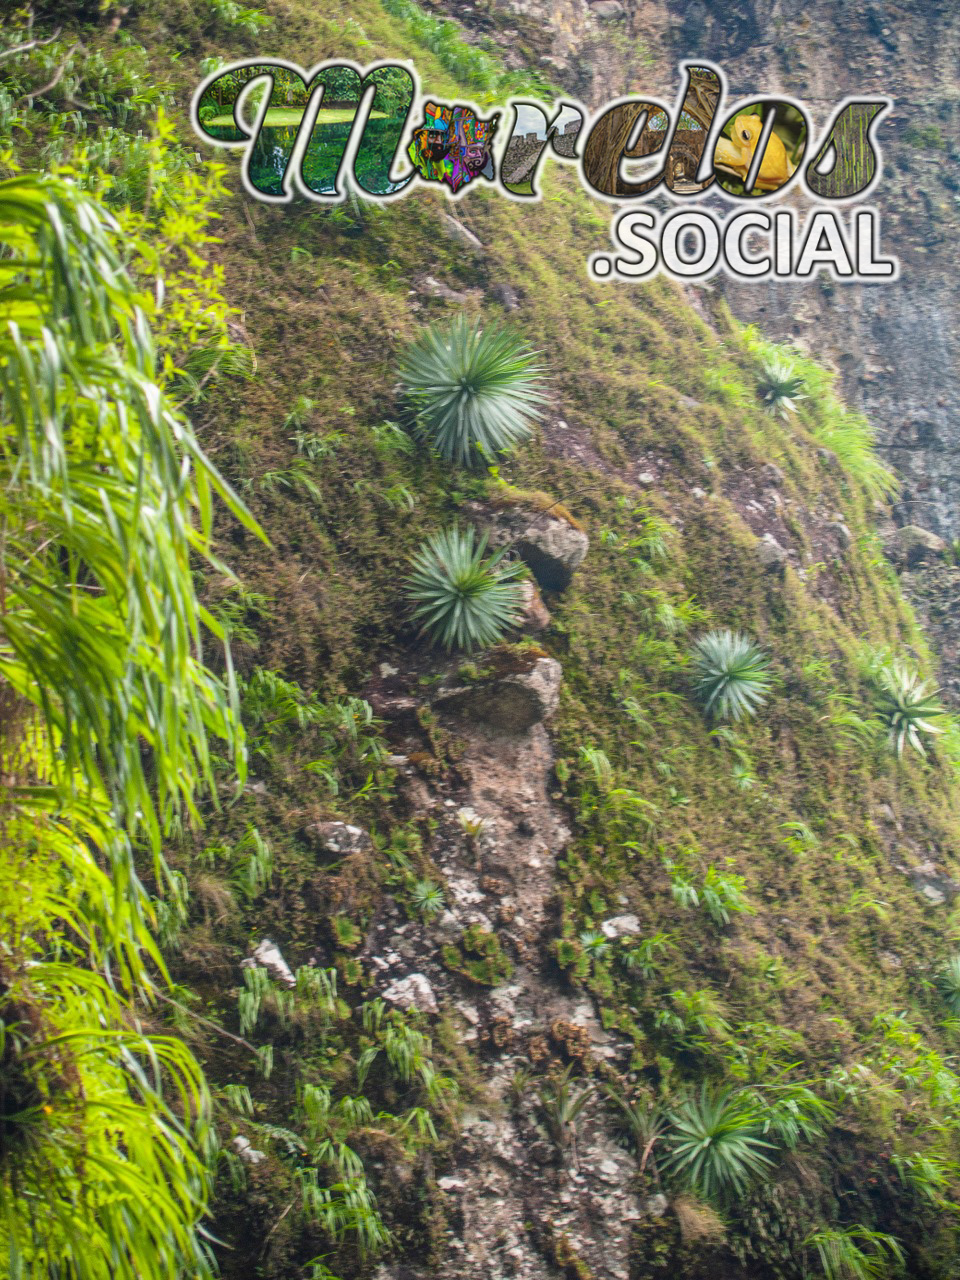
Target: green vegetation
point(94, 683)
point(730, 674)
point(474, 391)
point(950, 984)
point(715, 1144)
point(906, 704)
point(780, 387)
point(561, 1105)
point(479, 957)
point(784, 1000)
point(842, 1256)
point(463, 597)
point(282, 116)
point(474, 68)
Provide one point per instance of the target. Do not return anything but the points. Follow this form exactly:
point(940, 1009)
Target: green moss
point(479, 957)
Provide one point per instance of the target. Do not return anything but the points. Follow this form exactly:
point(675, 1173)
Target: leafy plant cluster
point(373, 1093)
point(109, 716)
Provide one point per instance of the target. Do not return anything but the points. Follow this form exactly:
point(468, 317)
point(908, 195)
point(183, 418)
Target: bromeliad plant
point(474, 392)
point(463, 598)
point(779, 387)
point(730, 675)
point(906, 705)
point(715, 1145)
point(949, 984)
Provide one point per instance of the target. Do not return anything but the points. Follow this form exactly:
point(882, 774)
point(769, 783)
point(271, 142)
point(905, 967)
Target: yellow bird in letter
point(735, 155)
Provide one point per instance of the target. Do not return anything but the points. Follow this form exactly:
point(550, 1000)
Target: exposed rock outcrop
point(512, 1196)
point(339, 838)
point(267, 955)
point(911, 546)
point(512, 703)
point(551, 546)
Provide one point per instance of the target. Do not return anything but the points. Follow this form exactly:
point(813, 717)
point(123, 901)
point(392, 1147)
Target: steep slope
point(632, 897)
point(894, 350)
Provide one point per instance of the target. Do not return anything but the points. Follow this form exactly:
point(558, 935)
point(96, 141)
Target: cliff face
point(895, 348)
point(487, 940)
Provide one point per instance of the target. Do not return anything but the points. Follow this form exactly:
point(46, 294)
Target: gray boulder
point(267, 955)
point(911, 546)
point(459, 233)
point(933, 885)
point(339, 838)
point(771, 555)
point(513, 703)
point(534, 614)
point(413, 992)
point(551, 547)
point(621, 926)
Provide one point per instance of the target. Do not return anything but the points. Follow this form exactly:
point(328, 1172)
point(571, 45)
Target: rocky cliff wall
point(895, 348)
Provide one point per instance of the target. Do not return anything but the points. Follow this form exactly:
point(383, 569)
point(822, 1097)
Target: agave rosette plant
point(464, 598)
point(780, 387)
point(949, 984)
point(730, 674)
point(907, 704)
point(715, 1144)
point(475, 392)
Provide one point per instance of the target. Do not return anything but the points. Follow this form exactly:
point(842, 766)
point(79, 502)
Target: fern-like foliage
point(463, 598)
point(475, 392)
point(856, 1253)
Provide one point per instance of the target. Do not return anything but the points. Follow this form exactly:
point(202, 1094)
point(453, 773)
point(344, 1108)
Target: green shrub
point(714, 1143)
point(474, 391)
point(462, 598)
point(730, 674)
point(479, 957)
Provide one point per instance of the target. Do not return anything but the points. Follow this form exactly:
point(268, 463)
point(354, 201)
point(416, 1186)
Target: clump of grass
point(475, 392)
point(464, 599)
point(730, 674)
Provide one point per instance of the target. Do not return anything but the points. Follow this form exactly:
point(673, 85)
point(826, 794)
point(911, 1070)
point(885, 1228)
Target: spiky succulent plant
point(475, 392)
point(949, 984)
point(427, 897)
point(779, 387)
point(730, 674)
point(715, 1144)
point(464, 598)
point(906, 705)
